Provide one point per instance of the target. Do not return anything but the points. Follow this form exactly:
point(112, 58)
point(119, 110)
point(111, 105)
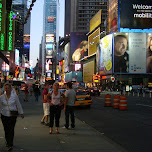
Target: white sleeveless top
point(56, 99)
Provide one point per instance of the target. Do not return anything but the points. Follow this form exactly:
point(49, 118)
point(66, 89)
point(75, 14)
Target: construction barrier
point(123, 103)
point(107, 100)
point(116, 100)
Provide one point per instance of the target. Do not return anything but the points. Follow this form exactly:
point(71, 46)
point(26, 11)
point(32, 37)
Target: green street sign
point(10, 32)
point(2, 24)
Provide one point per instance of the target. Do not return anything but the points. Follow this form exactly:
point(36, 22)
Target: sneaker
point(65, 127)
point(42, 122)
point(71, 128)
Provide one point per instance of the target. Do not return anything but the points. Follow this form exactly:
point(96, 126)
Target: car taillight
point(88, 98)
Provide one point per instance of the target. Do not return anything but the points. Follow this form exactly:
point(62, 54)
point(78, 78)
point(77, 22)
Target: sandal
point(57, 131)
point(51, 130)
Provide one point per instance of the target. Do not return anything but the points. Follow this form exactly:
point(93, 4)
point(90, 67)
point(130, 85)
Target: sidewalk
point(31, 136)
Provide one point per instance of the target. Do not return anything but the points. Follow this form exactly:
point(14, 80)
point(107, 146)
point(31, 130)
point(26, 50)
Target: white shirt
point(56, 99)
point(71, 95)
point(13, 102)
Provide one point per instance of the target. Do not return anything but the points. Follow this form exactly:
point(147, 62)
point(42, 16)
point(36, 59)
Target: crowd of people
point(53, 102)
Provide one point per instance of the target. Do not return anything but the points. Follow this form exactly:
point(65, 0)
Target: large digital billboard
point(93, 41)
point(66, 57)
point(135, 14)
point(78, 46)
point(132, 53)
point(104, 55)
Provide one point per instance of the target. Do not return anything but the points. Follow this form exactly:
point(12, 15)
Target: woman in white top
point(55, 107)
point(9, 102)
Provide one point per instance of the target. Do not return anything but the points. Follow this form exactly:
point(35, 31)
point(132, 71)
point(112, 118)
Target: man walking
point(70, 96)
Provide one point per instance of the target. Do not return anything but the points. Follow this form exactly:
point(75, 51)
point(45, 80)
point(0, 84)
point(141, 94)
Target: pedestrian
point(46, 105)
point(31, 90)
point(9, 102)
point(36, 92)
point(70, 97)
point(1, 89)
point(55, 107)
point(26, 93)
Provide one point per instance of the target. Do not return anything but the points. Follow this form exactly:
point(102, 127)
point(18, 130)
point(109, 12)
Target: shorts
point(46, 109)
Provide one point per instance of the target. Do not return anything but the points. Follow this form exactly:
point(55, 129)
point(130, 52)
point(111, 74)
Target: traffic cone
point(107, 100)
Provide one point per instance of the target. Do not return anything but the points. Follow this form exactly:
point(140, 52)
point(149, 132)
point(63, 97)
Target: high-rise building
point(49, 37)
point(78, 14)
point(20, 8)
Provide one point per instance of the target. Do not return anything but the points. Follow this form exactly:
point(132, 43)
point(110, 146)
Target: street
point(131, 128)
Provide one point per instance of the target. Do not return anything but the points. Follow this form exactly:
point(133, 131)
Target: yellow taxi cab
point(82, 98)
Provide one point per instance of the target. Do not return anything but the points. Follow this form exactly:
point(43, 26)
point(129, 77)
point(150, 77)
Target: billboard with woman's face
point(78, 46)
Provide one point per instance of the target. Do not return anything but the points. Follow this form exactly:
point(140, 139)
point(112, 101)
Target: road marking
point(144, 105)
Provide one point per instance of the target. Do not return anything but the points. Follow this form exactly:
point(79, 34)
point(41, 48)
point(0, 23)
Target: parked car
point(82, 99)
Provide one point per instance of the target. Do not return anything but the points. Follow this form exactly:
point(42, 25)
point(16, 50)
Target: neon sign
point(2, 24)
point(10, 33)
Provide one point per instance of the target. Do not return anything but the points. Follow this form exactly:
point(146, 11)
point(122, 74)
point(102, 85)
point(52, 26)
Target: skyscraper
point(49, 36)
point(78, 14)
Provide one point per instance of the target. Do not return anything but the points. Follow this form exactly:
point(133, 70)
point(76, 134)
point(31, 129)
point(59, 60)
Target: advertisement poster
point(88, 71)
point(93, 41)
point(105, 55)
point(137, 52)
point(79, 46)
point(66, 57)
point(96, 20)
point(113, 16)
point(149, 53)
point(121, 56)
point(137, 14)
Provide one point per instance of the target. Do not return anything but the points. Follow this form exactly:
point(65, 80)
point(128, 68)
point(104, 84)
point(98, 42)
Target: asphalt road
point(132, 129)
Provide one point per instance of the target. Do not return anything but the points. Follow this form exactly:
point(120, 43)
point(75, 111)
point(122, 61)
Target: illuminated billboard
point(113, 16)
point(137, 14)
point(78, 46)
point(10, 32)
point(93, 41)
point(149, 53)
point(96, 20)
point(2, 24)
point(26, 39)
point(88, 71)
point(26, 45)
point(16, 57)
point(131, 53)
point(104, 55)
point(49, 45)
point(66, 57)
point(49, 38)
point(50, 19)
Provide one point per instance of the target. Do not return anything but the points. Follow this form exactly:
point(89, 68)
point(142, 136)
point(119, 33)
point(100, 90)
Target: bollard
point(143, 94)
point(133, 93)
point(150, 94)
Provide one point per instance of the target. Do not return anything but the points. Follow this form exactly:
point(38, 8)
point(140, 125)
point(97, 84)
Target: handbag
point(12, 113)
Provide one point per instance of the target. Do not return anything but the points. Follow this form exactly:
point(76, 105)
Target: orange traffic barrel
point(123, 103)
point(116, 100)
point(107, 100)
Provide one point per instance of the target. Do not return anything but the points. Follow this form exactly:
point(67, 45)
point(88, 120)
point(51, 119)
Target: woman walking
point(9, 104)
point(55, 107)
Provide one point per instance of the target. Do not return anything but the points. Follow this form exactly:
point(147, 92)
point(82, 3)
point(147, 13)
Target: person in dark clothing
point(36, 92)
point(121, 57)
